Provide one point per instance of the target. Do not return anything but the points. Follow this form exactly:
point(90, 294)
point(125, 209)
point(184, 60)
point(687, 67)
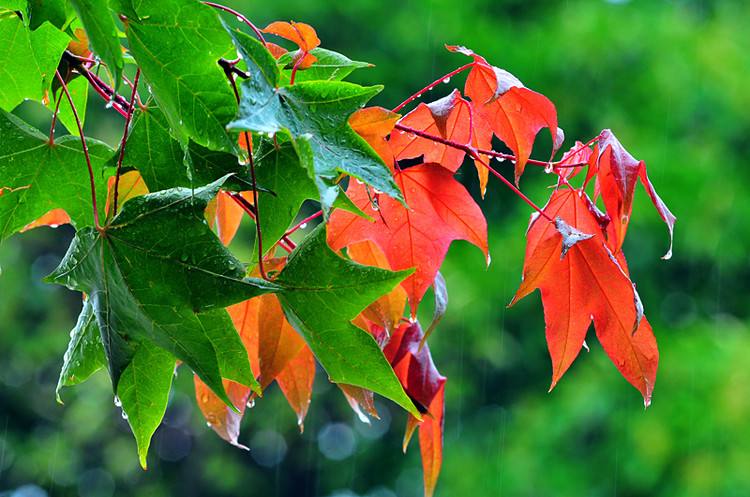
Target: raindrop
point(118, 402)
point(240, 19)
point(124, 415)
point(303, 226)
point(446, 80)
point(500, 159)
point(251, 403)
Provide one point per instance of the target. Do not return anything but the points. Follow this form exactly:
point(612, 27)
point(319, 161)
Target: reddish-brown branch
point(240, 18)
point(85, 149)
point(301, 224)
point(474, 153)
point(100, 87)
point(228, 67)
point(431, 86)
point(124, 140)
point(285, 243)
point(54, 121)
point(137, 96)
point(296, 66)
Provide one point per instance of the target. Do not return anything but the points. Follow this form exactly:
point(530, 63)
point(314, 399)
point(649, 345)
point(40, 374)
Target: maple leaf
point(102, 34)
point(85, 353)
point(580, 280)
point(165, 163)
point(130, 185)
point(388, 310)
point(301, 34)
point(143, 388)
point(617, 173)
point(374, 124)
point(80, 44)
point(414, 367)
point(322, 294)
point(37, 177)
point(225, 216)
point(296, 383)
point(440, 211)
point(481, 138)
point(329, 66)
point(222, 419)
point(515, 113)
point(191, 89)
point(164, 290)
point(53, 219)
point(448, 117)
point(28, 60)
point(361, 401)
point(314, 116)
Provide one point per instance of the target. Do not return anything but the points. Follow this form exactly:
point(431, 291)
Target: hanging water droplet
point(303, 226)
point(446, 80)
point(208, 424)
point(251, 403)
point(124, 415)
point(240, 19)
point(118, 403)
point(500, 159)
point(548, 168)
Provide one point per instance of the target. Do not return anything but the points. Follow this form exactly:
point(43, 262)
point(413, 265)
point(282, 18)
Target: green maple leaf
point(279, 170)
point(158, 275)
point(143, 392)
point(102, 34)
point(177, 43)
point(164, 163)
point(330, 66)
point(28, 59)
point(36, 177)
point(322, 294)
point(315, 115)
point(57, 12)
point(85, 353)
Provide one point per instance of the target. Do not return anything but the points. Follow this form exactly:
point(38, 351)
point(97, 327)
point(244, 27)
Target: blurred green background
point(670, 77)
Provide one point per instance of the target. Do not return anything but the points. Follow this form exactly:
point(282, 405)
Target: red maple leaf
point(617, 173)
point(412, 362)
point(580, 280)
point(450, 118)
point(440, 211)
point(515, 113)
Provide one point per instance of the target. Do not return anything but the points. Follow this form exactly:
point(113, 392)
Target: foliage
point(156, 279)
